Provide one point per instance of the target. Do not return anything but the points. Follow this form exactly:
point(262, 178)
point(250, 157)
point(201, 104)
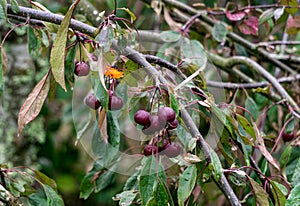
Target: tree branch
point(258, 52)
point(53, 18)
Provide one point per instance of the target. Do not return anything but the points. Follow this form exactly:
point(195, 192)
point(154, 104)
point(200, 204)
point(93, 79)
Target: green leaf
point(170, 36)
point(260, 194)
point(45, 180)
point(1, 74)
point(131, 14)
point(291, 3)
point(266, 16)
point(58, 52)
point(216, 164)
point(126, 197)
point(219, 32)
point(278, 193)
point(174, 104)
point(112, 130)
point(70, 66)
point(147, 179)
point(80, 132)
point(96, 180)
point(251, 106)
point(86, 186)
point(105, 38)
point(284, 159)
point(14, 6)
point(193, 50)
point(165, 190)
point(132, 182)
point(37, 199)
point(294, 197)
point(186, 185)
point(32, 41)
point(3, 5)
point(45, 39)
point(296, 176)
point(34, 102)
point(184, 136)
point(53, 199)
point(246, 125)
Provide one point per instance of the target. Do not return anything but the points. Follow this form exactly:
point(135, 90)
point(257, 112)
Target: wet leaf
point(262, 147)
point(294, 197)
point(217, 166)
point(219, 32)
point(148, 178)
point(260, 194)
point(251, 106)
point(193, 50)
point(105, 38)
point(234, 16)
point(247, 126)
point(266, 16)
point(249, 26)
point(14, 6)
point(296, 175)
point(58, 52)
point(34, 102)
point(126, 197)
point(3, 4)
point(186, 185)
point(170, 36)
point(131, 14)
point(1, 74)
point(53, 199)
point(32, 42)
point(174, 104)
point(278, 193)
point(45, 180)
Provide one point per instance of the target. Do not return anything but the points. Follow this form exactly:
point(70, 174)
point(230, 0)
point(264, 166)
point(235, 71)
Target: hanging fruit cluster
point(159, 124)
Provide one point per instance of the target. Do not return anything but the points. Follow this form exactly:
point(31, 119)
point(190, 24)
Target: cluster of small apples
point(114, 102)
point(164, 120)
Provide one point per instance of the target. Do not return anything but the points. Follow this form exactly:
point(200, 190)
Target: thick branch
point(53, 18)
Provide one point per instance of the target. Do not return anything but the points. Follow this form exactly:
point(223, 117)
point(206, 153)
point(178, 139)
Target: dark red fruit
point(172, 150)
point(149, 150)
point(163, 146)
point(142, 117)
point(166, 114)
point(115, 103)
point(288, 137)
point(82, 69)
point(155, 126)
point(173, 125)
point(91, 101)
